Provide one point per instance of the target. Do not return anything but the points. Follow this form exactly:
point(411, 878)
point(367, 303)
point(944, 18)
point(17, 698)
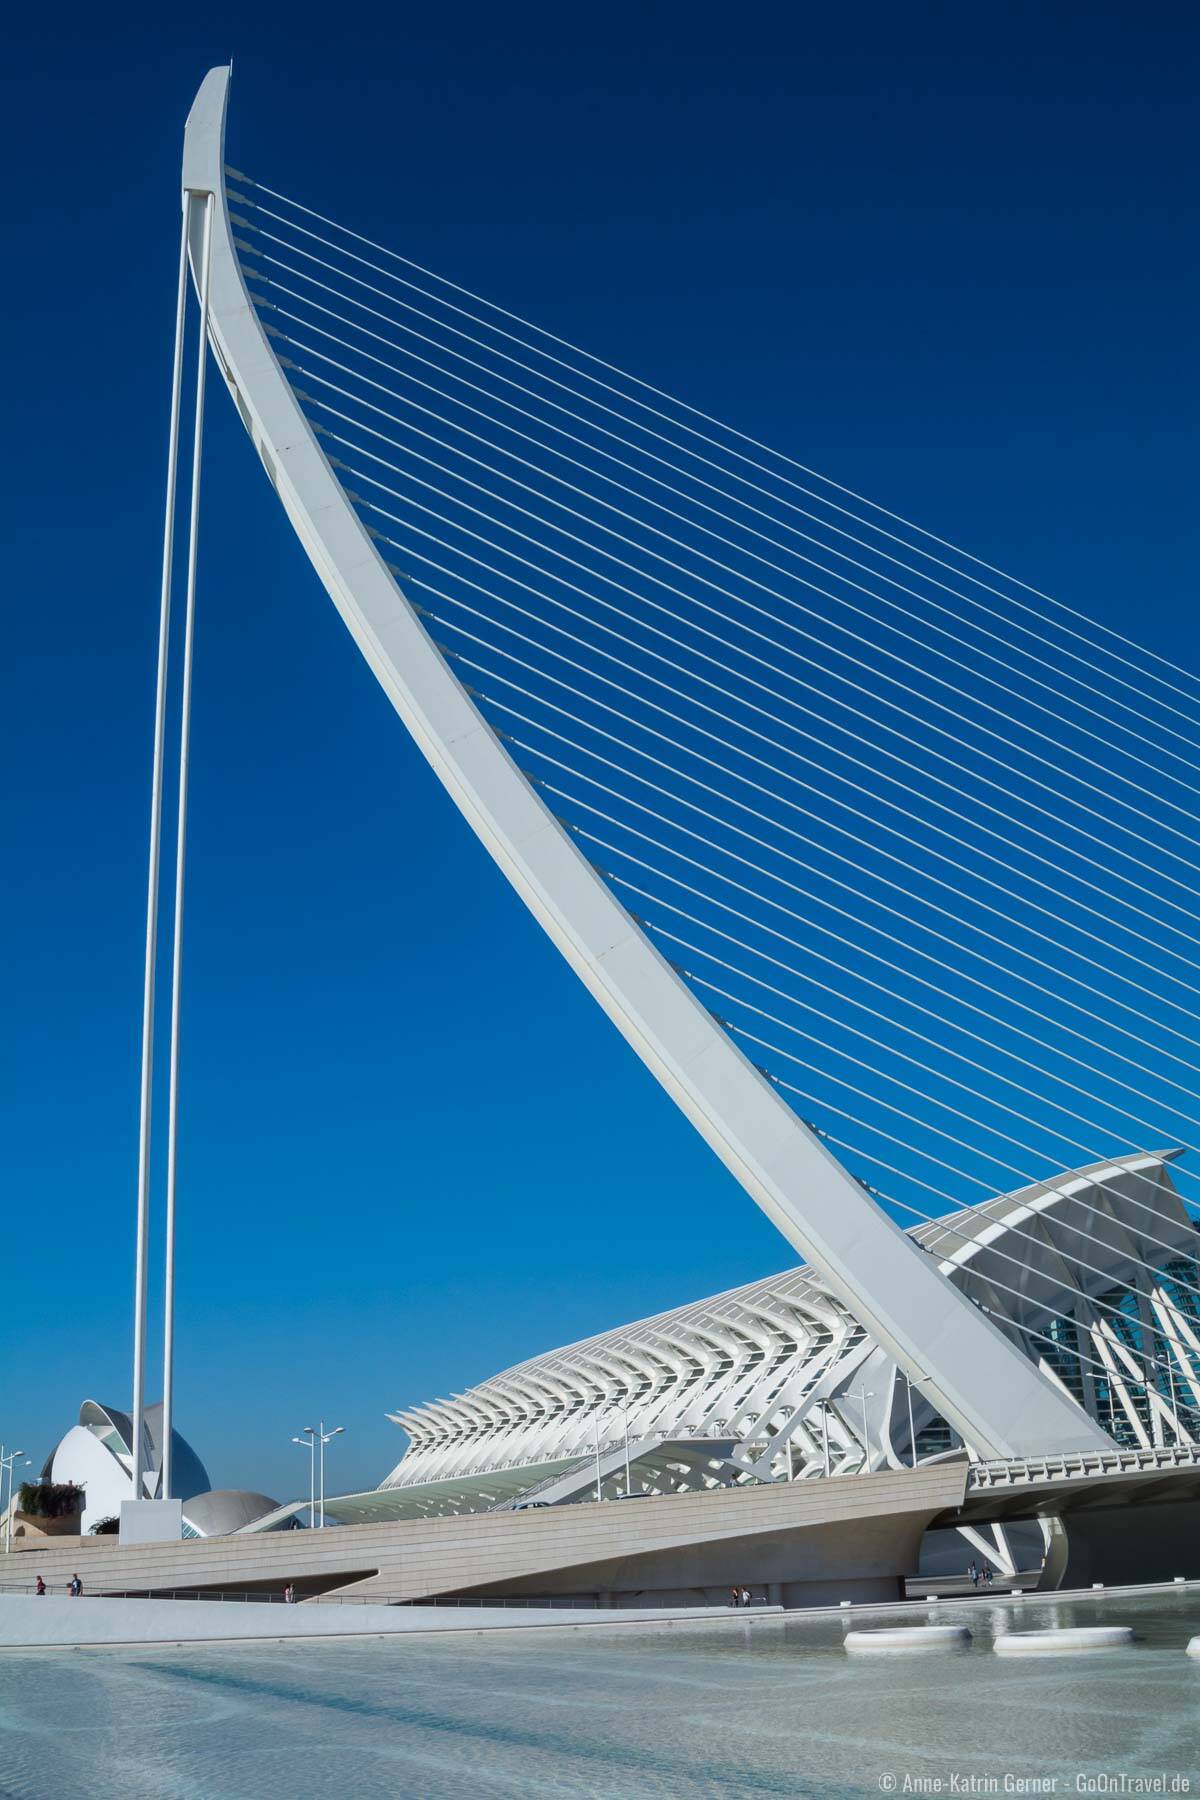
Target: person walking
point(75, 1588)
point(973, 1573)
point(745, 1596)
point(39, 1586)
point(289, 1595)
point(735, 1598)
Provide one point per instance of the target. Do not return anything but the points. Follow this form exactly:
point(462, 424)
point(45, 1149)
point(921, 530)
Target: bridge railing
point(1082, 1465)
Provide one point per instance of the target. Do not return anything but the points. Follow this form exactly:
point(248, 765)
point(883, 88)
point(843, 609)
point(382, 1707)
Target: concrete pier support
point(1148, 1542)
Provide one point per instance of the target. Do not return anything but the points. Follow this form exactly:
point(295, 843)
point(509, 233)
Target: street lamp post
point(6, 1468)
point(825, 1434)
point(912, 1434)
point(1171, 1347)
point(625, 1412)
point(863, 1395)
point(596, 1441)
point(309, 1443)
point(325, 1438)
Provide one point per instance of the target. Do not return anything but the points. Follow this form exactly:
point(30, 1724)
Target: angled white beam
point(989, 1391)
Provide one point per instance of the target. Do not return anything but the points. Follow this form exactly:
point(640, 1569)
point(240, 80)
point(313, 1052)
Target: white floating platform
point(1067, 1638)
point(909, 1637)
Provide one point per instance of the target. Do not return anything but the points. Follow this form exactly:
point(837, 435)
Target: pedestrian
point(40, 1586)
point(735, 1598)
point(745, 1596)
point(75, 1588)
point(973, 1573)
point(987, 1574)
point(289, 1595)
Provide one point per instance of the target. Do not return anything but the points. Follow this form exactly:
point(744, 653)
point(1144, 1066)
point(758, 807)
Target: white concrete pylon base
point(151, 1522)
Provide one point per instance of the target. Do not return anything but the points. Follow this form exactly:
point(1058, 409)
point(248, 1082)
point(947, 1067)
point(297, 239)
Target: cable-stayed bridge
point(882, 861)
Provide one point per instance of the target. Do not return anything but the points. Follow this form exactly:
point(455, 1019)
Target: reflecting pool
point(730, 1710)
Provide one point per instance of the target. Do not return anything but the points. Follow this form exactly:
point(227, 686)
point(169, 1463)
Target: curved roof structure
point(780, 1380)
point(771, 1372)
point(97, 1453)
point(224, 1510)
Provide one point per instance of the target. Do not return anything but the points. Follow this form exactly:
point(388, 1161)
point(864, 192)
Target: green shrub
point(50, 1499)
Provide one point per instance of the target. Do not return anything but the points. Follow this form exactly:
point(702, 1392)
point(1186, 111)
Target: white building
point(778, 1380)
point(96, 1455)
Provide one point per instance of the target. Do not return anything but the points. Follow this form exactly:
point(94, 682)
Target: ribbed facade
point(778, 1379)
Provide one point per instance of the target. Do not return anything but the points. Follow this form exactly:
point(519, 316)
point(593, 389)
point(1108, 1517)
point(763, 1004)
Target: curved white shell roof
point(750, 1370)
point(97, 1454)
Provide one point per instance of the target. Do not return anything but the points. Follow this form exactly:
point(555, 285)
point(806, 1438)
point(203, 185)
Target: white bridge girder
point(991, 1393)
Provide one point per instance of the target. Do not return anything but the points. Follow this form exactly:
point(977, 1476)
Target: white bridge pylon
point(993, 1395)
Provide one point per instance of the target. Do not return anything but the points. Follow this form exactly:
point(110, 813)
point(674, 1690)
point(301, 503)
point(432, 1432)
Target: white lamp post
point(912, 1435)
point(596, 1441)
point(1171, 1384)
point(863, 1395)
point(6, 1468)
point(324, 1438)
point(625, 1417)
point(310, 1444)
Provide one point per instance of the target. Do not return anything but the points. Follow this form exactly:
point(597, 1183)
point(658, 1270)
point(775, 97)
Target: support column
point(185, 728)
point(152, 885)
point(1152, 1541)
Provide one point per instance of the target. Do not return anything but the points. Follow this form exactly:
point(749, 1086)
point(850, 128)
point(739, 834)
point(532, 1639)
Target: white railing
point(1082, 1465)
point(518, 1500)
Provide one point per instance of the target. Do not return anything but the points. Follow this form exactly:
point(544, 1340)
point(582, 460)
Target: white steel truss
point(779, 1380)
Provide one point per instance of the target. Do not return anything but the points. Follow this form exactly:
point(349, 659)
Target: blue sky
point(942, 254)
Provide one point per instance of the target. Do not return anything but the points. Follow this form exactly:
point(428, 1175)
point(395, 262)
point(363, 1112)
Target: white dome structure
point(97, 1455)
point(224, 1510)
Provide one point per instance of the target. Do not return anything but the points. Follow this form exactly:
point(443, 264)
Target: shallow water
point(730, 1710)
